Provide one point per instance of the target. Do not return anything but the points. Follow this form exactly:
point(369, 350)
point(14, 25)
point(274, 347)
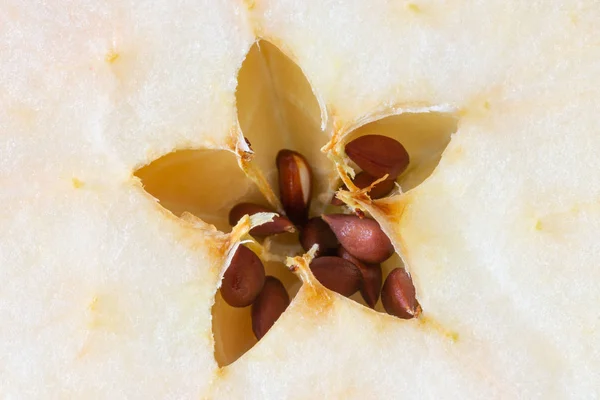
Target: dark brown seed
point(316, 231)
point(337, 274)
point(382, 189)
point(361, 237)
point(268, 306)
point(372, 277)
point(295, 185)
point(244, 278)
point(398, 295)
point(363, 180)
point(335, 201)
point(378, 155)
point(278, 225)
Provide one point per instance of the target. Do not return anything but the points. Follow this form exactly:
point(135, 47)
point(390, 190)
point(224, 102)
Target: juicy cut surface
point(106, 293)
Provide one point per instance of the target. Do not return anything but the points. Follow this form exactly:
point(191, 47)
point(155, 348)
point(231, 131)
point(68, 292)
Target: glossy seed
point(372, 277)
point(398, 295)
point(335, 201)
point(316, 231)
point(268, 306)
point(243, 279)
point(378, 155)
point(361, 237)
point(278, 225)
point(382, 189)
point(337, 274)
point(295, 185)
point(363, 180)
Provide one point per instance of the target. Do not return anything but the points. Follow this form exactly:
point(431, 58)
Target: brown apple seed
point(243, 279)
point(268, 306)
point(316, 231)
point(378, 155)
point(372, 277)
point(361, 237)
point(398, 295)
point(337, 274)
point(295, 185)
point(335, 201)
point(278, 225)
point(363, 180)
point(382, 189)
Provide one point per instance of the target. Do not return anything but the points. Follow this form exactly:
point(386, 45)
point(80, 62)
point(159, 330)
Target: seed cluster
point(351, 248)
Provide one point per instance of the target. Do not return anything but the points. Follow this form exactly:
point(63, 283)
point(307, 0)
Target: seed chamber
point(278, 110)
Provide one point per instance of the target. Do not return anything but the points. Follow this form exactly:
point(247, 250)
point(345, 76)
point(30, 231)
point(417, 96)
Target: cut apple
point(123, 151)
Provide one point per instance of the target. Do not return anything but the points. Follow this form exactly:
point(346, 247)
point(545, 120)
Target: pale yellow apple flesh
point(105, 293)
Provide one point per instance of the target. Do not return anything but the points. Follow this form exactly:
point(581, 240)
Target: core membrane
point(278, 110)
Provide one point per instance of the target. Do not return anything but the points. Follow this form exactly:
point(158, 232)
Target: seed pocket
point(276, 173)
